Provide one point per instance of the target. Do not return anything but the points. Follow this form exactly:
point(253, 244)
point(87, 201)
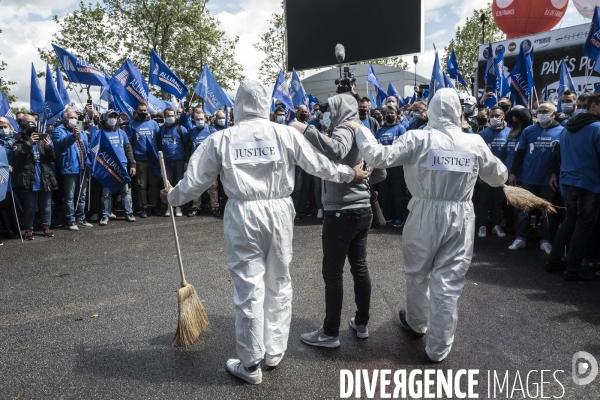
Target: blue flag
point(312, 100)
point(565, 82)
point(281, 91)
point(393, 92)
point(592, 44)
point(78, 70)
point(489, 75)
point(381, 96)
point(210, 90)
point(521, 81)
point(7, 113)
point(544, 95)
point(161, 75)
point(273, 105)
point(297, 93)
point(128, 88)
point(373, 102)
point(105, 165)
point(157, 105)
point(372, 78)
point(60, 85)
point(454, 70)
point(437, 81)
point(502, 87)
point(36, 96)
point(4, 173)
point(448, 81)
point(53, 104)
point(414, 98)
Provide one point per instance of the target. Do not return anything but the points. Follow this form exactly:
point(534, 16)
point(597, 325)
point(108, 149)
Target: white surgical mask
point(221, 121)
point(416, 115)
point(280, 119)
point(170, 120)
point(495, 122)
point(73, 122)
point(568, 108)
point(4, 132)
point(543, 119)
point(391, 103)
point(111, 122)
point(200, 124)
point(326, 120)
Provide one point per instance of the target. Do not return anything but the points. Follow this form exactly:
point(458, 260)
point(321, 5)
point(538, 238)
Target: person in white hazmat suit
point(256, 159)
point(441, 165)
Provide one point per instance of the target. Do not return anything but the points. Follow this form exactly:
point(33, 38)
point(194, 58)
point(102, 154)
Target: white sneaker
point(168, 213)
point(498, 231)
point(546, 247)
point(482, 232)
point(178, 212)
point(235, 368)
point(320, 213)
point(517, 244)
point(112, 216)
point(273, 361)
point(94, 217)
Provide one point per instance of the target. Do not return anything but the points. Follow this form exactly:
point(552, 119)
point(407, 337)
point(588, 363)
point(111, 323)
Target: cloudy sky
point(27, 25)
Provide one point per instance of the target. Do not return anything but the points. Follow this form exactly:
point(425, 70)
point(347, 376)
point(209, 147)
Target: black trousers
point(490, 202)
point(576, 230)
point(392, 192)
point(345, 235)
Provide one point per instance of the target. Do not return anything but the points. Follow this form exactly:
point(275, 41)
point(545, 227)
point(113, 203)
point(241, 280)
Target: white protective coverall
point(441, 165)
point(256, 159)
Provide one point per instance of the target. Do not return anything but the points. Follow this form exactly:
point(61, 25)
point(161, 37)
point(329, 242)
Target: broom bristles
point(192, 317)
point(526, 201)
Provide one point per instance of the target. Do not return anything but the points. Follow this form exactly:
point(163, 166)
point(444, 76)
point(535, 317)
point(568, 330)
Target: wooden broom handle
point(166, 183)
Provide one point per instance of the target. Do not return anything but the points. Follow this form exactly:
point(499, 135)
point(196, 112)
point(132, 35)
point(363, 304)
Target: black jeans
point(582, 212)
point(524, 219)
point(490, 201)
point(345, 235)
point(392, 192)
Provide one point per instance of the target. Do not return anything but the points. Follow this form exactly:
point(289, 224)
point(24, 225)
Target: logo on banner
point(155, 72)
point(68, 64)
point(512, 46)
point(497, 51)
point(122, 77)
point(254, 152)
point(456, 161)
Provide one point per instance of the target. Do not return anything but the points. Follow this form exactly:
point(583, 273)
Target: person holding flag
point(109, 134)
point(72, 147)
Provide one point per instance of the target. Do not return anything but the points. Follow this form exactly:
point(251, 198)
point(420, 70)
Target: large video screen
point(368, 30)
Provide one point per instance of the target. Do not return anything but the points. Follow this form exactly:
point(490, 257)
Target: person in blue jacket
point(579, 152)
point(220, 122)
point(534, 160)
point(419, 115)
point(171, 139)
point(7, 218)
point(201, 131)
point(142, 133)
point(491, 198)
point(72, 147)
point(393, 189)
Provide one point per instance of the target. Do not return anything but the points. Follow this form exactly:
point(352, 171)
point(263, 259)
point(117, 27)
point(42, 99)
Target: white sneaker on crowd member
point(320, 213)
point(482, 232)
point(94, 217)
point(546, 247)
point(82, 223)
point(112, 216)
point(168, 213)
point(104, 221)
point(235, 368)
point(178, 212)
point(497, 230)
point(517, 244)
point(73, 226)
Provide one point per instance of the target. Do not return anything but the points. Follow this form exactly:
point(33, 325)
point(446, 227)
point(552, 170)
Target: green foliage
point(5, 87)
point(469, 37)
point(397, 62)
point(273, 44)
point(16, 110)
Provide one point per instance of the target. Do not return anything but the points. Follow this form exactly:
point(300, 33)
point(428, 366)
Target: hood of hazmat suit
point(441, 165)
point(256, 160)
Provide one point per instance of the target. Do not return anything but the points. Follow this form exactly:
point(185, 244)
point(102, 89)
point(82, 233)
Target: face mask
point(302, 117)
point(379, 118)
point(406, 113)
point(504, 107)
point(544, 119)
point(390, 119)
point(280, 119)
point(96, 120)
point(495, 122)
point(416, 115)
point(468, 110)
point(221, 121)
point(5, 132)
point(481, 121)
point(317, 113)
point(362, 113)
point(326, 121)
point(170, 120)
point(142, 116)
point(200, 124)
point(568, 108)
point(111, 122)
point(73, 122)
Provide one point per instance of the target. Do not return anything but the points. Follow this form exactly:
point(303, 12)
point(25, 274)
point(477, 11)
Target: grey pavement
point(91, 315)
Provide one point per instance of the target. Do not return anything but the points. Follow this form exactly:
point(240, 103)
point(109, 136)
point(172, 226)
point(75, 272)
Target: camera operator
point(346, 224)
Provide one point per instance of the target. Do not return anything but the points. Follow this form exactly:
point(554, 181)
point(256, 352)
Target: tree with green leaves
point(469, 37)
point(5, 86)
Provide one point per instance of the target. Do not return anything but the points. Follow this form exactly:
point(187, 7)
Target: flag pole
point(16, 216)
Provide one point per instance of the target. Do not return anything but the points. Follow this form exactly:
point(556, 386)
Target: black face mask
point(362, 113)
point(505, 108)
point(28, 127)
point(390, 119)
point(96, 120)
point(302, 117)
point(481, 121)
point(379, 119)
point(142, 116)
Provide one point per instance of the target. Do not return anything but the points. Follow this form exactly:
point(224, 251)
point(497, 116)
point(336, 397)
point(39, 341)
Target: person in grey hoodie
point(346, 223)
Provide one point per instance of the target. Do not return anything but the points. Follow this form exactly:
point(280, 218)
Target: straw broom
point(192, 316)
point(526, 201)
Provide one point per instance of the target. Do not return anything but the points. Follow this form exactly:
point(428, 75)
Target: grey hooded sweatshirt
point(341, 147)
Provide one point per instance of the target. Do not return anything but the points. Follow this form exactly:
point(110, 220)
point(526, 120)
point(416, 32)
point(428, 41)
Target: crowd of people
point(51, 186)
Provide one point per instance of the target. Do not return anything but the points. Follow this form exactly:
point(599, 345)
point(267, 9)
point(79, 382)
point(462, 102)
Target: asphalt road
point(91, 315)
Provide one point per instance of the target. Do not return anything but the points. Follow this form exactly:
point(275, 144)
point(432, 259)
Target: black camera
point(346, 82)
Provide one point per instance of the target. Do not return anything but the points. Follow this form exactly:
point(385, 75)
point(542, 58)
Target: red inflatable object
point(523, 17)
